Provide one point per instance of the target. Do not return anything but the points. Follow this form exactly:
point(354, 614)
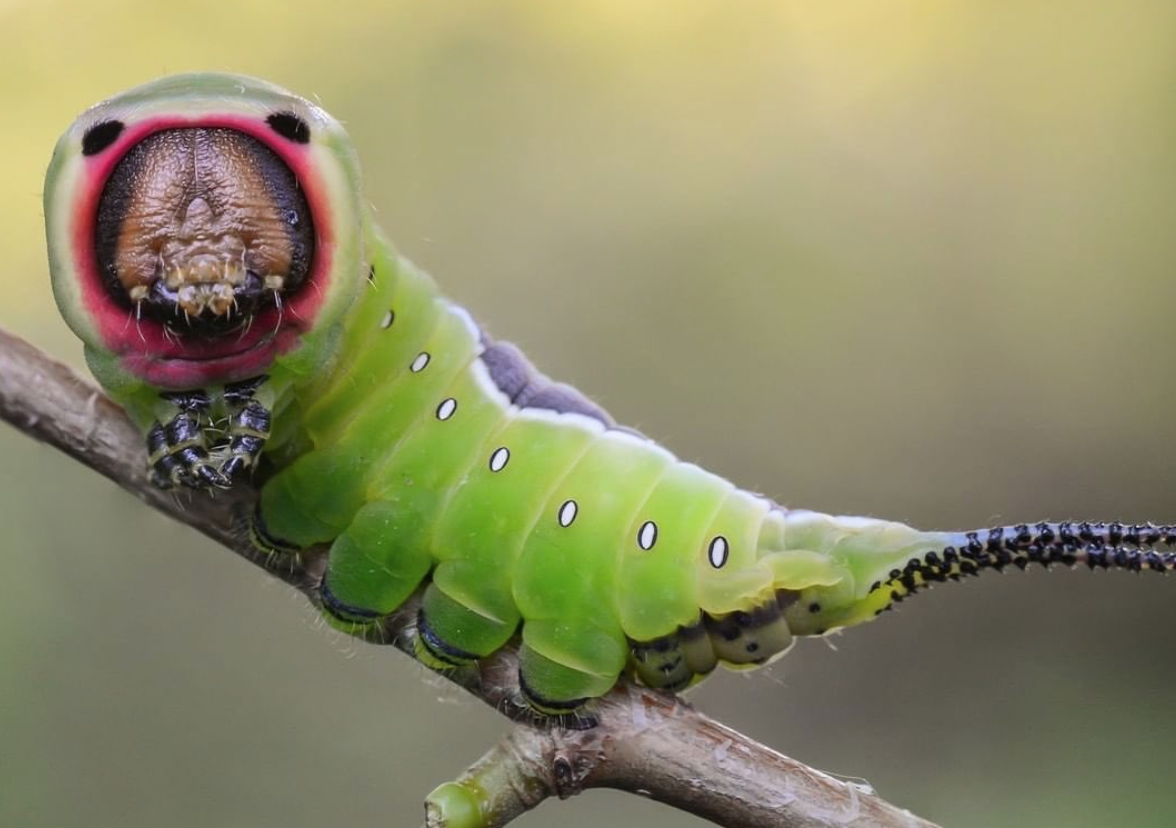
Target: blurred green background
point(911, 259)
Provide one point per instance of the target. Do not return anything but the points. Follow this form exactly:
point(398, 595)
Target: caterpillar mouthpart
point(205, 292)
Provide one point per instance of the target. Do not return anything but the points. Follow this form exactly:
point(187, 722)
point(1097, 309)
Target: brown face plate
point(201, 228)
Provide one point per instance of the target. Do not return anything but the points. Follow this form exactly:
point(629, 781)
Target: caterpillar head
point(202, 227)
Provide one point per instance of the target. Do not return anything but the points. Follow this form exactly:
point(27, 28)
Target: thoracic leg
point(181, 453)
point(249, 427)
point(177, 451)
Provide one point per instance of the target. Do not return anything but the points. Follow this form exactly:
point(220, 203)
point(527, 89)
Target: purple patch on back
point(525, 387)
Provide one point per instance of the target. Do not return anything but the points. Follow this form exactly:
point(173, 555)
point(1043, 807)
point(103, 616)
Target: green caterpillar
point(208, 244)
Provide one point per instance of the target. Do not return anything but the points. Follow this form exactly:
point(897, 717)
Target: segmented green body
point(426, 454)
point(421, 458)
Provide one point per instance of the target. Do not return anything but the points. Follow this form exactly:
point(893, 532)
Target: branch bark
point(647, 742)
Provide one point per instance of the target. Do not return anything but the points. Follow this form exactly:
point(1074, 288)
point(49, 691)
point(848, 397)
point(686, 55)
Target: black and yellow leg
point(177, 451)
point(249, 427)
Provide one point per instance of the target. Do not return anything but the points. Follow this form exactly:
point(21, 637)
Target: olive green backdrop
point(910, 259)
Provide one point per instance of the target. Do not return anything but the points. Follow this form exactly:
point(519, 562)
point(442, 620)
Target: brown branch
point(647, 742)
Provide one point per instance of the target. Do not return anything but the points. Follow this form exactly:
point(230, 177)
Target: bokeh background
point(911, 259)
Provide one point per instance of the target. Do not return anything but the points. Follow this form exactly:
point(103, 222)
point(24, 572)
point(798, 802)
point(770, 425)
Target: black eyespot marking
point(290, 127)
point(100, 136)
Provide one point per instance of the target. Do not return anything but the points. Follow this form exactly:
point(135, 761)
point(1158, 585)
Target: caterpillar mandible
point(209, 245)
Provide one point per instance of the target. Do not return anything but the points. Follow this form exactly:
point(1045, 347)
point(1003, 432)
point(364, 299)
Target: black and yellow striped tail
point(1137, 547)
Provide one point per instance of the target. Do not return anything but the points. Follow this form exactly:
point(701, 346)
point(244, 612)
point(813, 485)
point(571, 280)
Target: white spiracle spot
point(499, 459)
point(446, 409)
point(386, 322)
point(420, 362)
point(718, 552)
point(647, 535)
point(567, 513)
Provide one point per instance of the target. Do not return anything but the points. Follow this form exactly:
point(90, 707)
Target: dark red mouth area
point(185, 362)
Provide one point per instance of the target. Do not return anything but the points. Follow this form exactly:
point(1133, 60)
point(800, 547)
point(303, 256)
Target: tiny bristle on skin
point(1100, 545)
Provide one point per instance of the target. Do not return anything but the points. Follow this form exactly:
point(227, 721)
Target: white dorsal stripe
point(567, 513)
